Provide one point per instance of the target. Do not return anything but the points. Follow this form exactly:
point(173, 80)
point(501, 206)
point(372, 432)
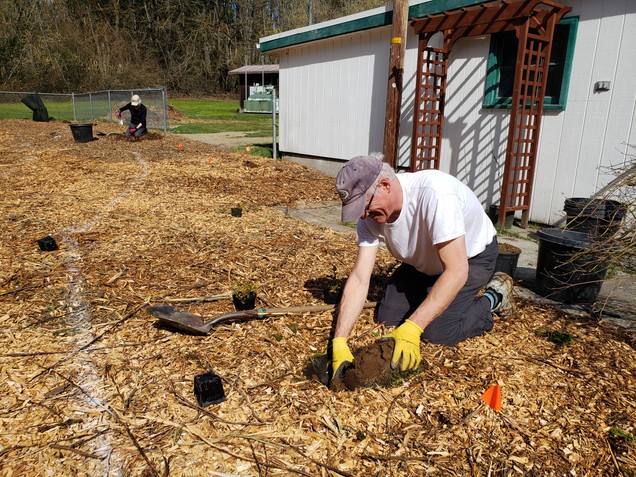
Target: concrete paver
point(326, 214)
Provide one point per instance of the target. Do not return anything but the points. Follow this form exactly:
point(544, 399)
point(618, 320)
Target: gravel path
point(228, 140)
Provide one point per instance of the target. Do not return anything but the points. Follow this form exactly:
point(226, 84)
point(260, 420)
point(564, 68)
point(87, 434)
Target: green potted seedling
point(244, 296)
point(332, 289)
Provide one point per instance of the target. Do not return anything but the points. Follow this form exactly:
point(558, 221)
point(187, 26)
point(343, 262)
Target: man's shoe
point(502, 284)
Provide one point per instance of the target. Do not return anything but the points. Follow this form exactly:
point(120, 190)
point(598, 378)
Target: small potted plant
point(332, 289)
point(331, 293)
point(244, 296)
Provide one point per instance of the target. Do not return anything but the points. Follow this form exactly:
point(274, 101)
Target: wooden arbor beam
point(482, 14)
point(430, 99)
point(488, 16)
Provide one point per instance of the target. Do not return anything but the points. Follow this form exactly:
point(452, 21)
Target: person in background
point(437, 228)
point(137, 125)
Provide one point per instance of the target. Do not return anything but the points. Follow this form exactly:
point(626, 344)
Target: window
point(501, 67)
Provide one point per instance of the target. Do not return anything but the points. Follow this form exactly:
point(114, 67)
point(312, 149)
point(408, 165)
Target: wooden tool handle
point(265, 312)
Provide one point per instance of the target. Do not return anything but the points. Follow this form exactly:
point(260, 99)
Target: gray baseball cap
point(353, 181)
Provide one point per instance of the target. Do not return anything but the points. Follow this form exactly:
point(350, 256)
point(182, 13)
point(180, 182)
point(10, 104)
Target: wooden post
point(394, 89)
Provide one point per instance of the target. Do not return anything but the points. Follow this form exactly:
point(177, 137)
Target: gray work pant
point(466, 316)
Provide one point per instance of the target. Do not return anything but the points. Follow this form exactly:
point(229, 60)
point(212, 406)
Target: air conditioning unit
point(260, 100)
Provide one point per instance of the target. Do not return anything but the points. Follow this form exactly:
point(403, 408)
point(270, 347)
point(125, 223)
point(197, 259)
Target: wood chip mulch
point(91, 385)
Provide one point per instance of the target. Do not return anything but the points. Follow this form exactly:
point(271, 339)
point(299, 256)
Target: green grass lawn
point(219, 116)
point(212, 116)
point(17, 110)
point(215, 116)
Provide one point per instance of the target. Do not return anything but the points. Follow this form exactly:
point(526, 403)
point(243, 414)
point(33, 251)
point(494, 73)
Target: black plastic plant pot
point(601, 217)
point(507, 259)
point(244, 301)
point(82, 132)
point(208, 389)
point(331, 296)
point(493, 214)
point(569, 268)
point(237, 212)
point(47, 244)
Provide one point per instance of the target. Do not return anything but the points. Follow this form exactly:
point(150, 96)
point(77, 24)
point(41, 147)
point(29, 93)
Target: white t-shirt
point(436, 208)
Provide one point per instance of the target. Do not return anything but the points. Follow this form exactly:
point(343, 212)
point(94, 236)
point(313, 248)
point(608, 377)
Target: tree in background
point(189, 46)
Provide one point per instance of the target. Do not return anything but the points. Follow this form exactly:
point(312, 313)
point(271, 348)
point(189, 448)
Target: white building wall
point(577, 145)
point(333, 100)
point(334, 96)
point(474, 144)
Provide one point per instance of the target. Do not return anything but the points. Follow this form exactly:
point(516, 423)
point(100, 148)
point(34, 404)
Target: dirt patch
point(175, 114)
point(506, 248)
point(371, 366)
point(118, 136)
point(229, 140)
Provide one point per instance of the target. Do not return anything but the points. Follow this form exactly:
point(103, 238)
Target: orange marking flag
point(492, 397)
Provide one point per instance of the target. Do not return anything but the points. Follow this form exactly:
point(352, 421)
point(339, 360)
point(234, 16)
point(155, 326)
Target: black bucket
point(82, 132)
point(569, 269)
point(593, 216)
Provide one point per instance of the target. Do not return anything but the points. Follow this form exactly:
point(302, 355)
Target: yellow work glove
point(407, 346)
point(341, 356)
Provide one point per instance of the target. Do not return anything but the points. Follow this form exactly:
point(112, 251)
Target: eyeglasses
point(366, 209)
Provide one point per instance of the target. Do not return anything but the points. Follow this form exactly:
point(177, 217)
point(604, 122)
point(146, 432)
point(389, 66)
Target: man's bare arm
point(355, 291)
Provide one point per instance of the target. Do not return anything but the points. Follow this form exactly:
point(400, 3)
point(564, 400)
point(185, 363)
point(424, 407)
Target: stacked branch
point(614, 243)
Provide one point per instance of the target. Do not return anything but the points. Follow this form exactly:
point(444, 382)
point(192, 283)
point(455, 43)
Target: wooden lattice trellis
point(533, 21)
point(430, 94)
point(531, 74)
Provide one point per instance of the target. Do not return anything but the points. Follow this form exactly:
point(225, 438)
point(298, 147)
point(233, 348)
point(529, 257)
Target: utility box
point(260, 100)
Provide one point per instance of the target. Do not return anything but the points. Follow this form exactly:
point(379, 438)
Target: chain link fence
point(90, 106)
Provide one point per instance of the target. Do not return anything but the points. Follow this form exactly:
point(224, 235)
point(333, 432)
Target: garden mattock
point(196, 324)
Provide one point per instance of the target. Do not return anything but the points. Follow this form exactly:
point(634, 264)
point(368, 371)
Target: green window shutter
point(501, 67)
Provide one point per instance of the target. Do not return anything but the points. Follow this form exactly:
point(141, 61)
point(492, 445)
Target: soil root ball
point(371, 367)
